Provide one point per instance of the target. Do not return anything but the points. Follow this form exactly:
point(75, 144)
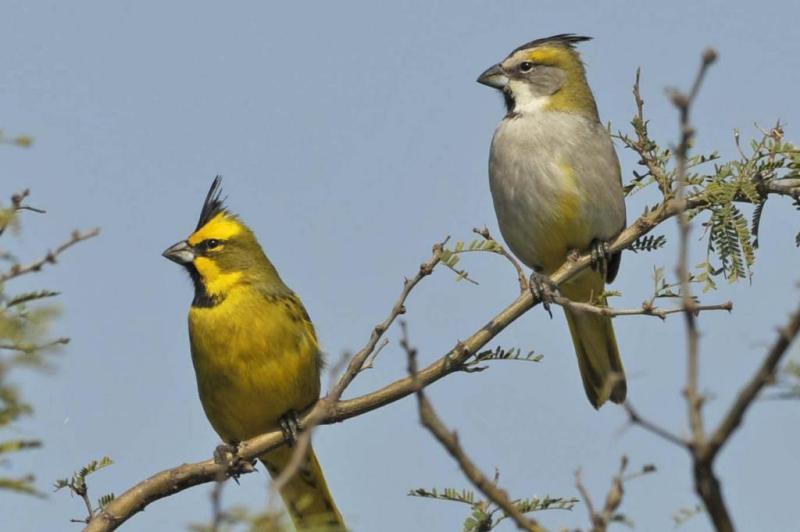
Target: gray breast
point(529, 157)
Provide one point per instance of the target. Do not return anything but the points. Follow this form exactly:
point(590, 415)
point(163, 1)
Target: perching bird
point(556, 184)
point(254, 350)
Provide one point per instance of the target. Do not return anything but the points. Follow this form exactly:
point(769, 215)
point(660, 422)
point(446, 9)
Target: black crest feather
point(213, 204)
point(565, 39)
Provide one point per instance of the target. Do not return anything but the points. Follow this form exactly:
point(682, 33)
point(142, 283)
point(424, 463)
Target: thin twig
point(370, 361)
point(303, 443)
point(584, 493)
point(763, 376)
point(17, 205)
point(684, 104)
point(357, 362)
point(499, 249)
point(600, 520)
point(50, 258)
point(644, 310)
point(636, 419)
point(322, 408)
point(31, 348)
point(449, 441)
point(217, 515)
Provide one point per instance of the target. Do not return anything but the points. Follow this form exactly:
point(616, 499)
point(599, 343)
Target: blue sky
point(352, 136)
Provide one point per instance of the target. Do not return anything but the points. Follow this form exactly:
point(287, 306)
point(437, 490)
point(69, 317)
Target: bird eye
point(525, 67)
point(211, 243)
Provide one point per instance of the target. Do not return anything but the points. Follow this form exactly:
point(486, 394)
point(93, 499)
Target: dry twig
point(644, 310)
point(449, 441)
point(50, 258)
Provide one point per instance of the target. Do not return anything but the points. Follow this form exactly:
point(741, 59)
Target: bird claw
point(290, 426)
point(226, 454)
point(600, 256)
point(543, 289)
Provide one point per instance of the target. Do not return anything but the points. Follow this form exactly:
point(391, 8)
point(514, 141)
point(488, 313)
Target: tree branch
point(763, 376)
point(684, 104)
point(449, 440)
point(17, 205)
point(50, 258)
point(645, 310)
point(176, 479)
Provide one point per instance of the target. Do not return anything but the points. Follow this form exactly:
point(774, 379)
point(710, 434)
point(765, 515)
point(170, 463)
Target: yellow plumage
point(595, 342)
point(254, 350)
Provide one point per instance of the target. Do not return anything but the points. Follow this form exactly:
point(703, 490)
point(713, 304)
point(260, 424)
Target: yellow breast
point(255, 357)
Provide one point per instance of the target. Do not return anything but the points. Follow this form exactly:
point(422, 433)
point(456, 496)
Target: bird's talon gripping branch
point(226, 454)
point(601, 256)
point(543, 289)
point(290, 426)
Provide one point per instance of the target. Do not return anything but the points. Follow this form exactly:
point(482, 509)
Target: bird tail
point(306, 494)
point(595, 344)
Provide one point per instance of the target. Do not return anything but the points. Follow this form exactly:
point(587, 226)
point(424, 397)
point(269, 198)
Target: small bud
point(23, 141)
point(679, 99)
point(709, 56)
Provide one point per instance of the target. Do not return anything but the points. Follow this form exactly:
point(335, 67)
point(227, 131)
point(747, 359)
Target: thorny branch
point(449, 440)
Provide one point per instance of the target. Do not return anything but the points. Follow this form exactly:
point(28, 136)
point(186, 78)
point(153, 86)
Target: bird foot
point(228, 455)
point(544, 289)
point(600, 256)
point(290, 426)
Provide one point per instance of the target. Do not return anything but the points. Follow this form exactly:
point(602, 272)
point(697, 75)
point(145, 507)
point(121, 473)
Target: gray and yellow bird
point(556, 184)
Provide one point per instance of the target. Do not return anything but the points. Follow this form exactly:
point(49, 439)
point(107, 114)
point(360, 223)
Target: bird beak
point(181, 253)
point(494, 77)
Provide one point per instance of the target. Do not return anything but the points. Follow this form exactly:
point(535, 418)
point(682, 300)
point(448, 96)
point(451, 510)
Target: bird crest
point(564, 39)
point(213, 205)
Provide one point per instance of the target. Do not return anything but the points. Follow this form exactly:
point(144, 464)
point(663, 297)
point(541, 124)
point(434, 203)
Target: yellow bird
point(255, 353)
point(556, 184)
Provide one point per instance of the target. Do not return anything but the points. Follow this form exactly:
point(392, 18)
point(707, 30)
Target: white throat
point(525, 101)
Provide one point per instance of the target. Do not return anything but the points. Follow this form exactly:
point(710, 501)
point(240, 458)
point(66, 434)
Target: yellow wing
point(256, 358)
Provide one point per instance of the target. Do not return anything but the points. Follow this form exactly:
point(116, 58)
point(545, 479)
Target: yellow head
point(222, 254)
point(543, 75)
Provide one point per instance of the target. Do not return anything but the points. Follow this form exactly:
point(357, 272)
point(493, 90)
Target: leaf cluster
point(24, 342)
point(498, 353)
point(78, 486)
point(485, 515)
point(720, 191)
point(450, 257)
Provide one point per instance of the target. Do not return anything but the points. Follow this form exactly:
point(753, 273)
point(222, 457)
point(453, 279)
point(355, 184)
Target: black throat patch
point(508, 99)
point(202, 298)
